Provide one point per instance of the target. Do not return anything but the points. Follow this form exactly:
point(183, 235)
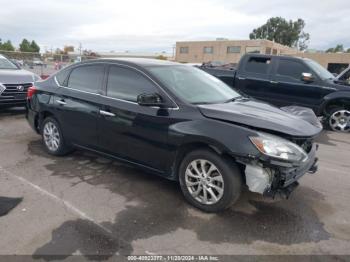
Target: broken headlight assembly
point(279, 148)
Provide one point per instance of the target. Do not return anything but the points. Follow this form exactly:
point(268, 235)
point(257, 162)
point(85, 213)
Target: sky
point(155, 26)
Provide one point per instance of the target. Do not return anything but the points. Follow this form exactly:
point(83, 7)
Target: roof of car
point(135, 61)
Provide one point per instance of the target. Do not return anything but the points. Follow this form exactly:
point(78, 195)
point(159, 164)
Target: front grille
point(305, 144)
point(15, 91)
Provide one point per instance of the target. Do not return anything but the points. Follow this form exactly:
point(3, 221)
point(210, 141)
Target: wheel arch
point(339, 99)
point(186, 148)
point(41, 117)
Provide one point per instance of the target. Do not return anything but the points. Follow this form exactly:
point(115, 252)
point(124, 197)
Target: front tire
point(52, 138)
point(208, 181)
point(339, 120)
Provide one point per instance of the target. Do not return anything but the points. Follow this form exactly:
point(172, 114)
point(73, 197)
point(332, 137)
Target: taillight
point(31, 91)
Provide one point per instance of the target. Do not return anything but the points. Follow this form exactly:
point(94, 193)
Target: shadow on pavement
point(325, 139)
point(12, 111)
point(161, 209)
point(7, 204)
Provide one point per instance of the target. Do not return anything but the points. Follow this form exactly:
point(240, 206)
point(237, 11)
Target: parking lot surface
point(85, 204)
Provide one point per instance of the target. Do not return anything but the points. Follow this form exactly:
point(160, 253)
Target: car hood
point(9, 76)
point(341, 86)
point(262, 115)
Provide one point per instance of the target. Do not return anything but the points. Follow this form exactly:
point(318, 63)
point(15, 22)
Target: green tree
point(289, 33)
point(348, 51)
point(24, 46)
point(338, 48)
point(34, 47)
point(7, 46)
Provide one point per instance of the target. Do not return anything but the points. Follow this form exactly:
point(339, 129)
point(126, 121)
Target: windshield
point(193, 85)
point(320, 70)
point(6, 64)
point(345, 77)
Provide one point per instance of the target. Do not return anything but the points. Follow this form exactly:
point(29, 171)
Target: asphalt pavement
point(89, 205)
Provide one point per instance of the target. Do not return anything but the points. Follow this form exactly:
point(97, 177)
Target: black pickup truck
point(285, 80)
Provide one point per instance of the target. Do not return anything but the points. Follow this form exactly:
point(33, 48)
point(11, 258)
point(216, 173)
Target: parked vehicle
point(285, 80)
point(14, 83)
point(18, 63)
point(178, 122)
point(37, 62)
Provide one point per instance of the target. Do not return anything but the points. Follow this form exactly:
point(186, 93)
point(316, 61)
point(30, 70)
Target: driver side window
point(126, 84)
point(291, 69)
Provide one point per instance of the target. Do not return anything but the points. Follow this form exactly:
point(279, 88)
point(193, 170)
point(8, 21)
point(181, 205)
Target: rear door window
point(259, 65)
point(126, 84)
point(61, 77)
point(87, 78)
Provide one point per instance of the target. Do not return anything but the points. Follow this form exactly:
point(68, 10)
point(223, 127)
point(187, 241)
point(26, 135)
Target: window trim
point(186, 47)
point(212, 50)
point(270, 48)
point(64, 83)
point(269, 69)
point(258, 48)
point(290, 77)
point(230, 46)
point(104, 84)
point(83, 65)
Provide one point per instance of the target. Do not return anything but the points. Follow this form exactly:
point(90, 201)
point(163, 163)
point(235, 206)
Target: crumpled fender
point(225, 137)
point(304, 113)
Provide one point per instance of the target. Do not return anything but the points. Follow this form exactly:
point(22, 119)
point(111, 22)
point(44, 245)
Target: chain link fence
point(43, 64)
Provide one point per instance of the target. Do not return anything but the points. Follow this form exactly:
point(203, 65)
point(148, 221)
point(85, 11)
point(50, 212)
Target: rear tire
point(339, 120)
point(52, 138)
point(209, 181)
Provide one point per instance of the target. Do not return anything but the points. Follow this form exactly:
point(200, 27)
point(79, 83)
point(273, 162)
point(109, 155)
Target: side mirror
point(307, 77)
point(150, 100)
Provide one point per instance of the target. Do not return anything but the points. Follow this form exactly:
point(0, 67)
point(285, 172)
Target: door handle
point(105, 113)
point(61, 102)
point(273, 82)
point(241, 78)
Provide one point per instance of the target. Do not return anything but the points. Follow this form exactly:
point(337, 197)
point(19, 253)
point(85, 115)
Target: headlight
point(277, 147)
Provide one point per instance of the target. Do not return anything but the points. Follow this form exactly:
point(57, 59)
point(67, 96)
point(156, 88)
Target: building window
point(184, 50)
point(252, 49)
point(274, 51)
point(268, 50)
point(233, 49)
point(208, 50)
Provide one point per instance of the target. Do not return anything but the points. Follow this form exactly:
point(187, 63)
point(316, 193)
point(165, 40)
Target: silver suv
point(14, 83)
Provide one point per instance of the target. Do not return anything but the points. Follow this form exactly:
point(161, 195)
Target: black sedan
point(178, 122)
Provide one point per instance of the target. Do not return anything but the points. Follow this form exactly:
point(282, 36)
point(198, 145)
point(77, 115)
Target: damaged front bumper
point(272, 178)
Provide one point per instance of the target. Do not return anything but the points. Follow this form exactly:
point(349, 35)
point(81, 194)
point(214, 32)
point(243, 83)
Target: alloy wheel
point(51, 136)
point(204, 181)
point(340, 121)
